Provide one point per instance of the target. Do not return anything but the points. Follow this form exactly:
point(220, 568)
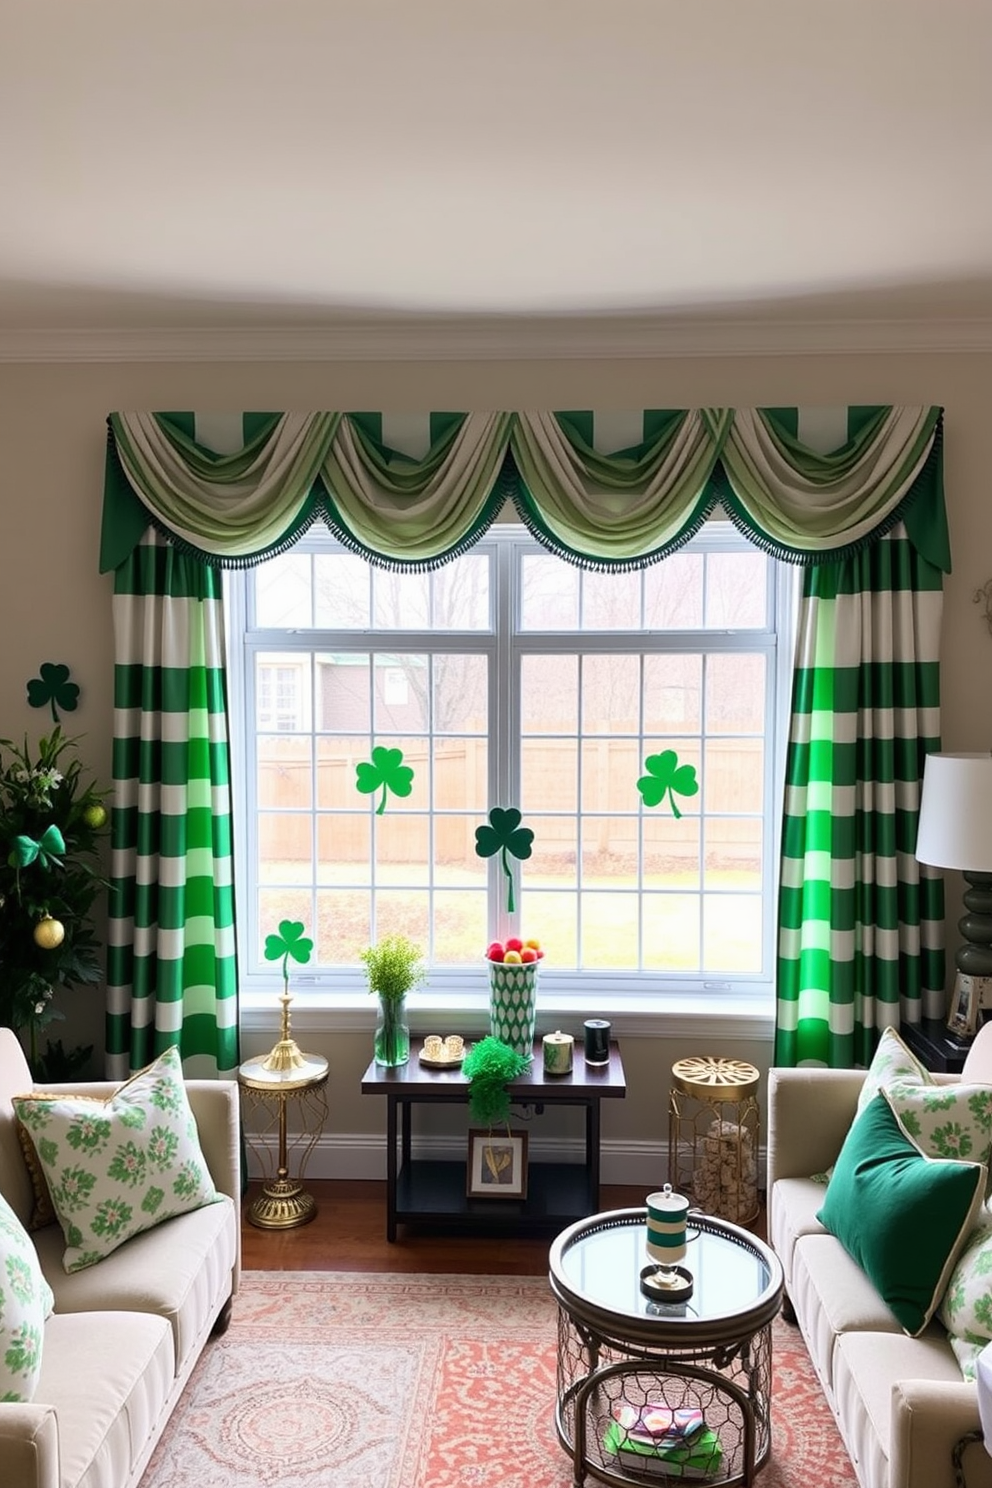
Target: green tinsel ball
point(488, 1066)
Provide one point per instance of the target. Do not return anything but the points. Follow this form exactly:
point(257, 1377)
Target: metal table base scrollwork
point(619, 1348)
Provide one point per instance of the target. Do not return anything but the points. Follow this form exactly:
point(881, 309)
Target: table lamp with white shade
point(955, 831)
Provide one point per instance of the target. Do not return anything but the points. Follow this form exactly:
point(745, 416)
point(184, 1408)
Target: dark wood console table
point(432, 1193)
point(935, 1046)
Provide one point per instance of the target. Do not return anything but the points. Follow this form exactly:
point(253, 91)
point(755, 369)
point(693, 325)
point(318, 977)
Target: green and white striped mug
point(667, 1216)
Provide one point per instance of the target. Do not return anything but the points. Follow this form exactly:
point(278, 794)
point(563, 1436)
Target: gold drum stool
point(713, 1122)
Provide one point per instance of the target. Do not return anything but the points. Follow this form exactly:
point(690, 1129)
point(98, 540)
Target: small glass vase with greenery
point(394, 966)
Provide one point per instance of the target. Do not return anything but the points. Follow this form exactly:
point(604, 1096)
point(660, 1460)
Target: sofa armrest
point(810, 1111)
point(29, 1445)
point(928, 1418)
point(215, 1105)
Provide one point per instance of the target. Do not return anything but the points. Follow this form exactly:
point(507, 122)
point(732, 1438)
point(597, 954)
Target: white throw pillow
point(977, 1065)
point(25, 1302)
point(119, 1166)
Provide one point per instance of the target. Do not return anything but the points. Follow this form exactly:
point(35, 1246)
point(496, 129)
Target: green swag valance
point(620, 510)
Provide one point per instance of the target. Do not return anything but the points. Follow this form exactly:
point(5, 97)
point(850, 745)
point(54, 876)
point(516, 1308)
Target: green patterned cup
point(513, 1003)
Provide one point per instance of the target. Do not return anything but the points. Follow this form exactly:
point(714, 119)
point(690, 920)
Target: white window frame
point(456, 999)
point(295, 666)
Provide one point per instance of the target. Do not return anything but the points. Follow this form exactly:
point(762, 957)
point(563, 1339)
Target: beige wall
point(54, 606)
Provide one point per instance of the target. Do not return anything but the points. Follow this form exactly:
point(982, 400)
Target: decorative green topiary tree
point(51, 824)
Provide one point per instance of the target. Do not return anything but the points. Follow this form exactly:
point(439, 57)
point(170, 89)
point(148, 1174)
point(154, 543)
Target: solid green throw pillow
point(119, 1166)
point(902, 1216)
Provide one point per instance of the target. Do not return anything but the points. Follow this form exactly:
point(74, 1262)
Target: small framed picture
point(963, 1016)
point(497, 1165)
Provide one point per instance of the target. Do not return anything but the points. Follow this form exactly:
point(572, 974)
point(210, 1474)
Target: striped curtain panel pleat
point(860, 921)
point(171, 960)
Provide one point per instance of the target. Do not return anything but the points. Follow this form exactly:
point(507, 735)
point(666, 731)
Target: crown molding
point(500, 339)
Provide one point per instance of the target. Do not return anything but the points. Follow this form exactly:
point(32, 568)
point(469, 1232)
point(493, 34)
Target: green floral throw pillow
point(966, 1308)
point(891, 1061)
point(120, 1166)
point(953, 1121)
point(967, 1356)
point(25, 1302)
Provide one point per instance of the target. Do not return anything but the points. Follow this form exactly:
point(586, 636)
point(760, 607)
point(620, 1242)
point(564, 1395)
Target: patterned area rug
point(348, 1380)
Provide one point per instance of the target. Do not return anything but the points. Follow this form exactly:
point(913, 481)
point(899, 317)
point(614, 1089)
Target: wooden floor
point(349, 1234)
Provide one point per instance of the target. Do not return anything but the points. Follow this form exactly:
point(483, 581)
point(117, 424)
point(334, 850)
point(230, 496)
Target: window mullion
point(504, 731)
point(431, 818)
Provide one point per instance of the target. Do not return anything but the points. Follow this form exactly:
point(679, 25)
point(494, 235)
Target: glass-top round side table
point(622, 1350)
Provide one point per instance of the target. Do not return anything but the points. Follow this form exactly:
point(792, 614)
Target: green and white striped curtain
point(171, 964)
point(860, 921)
point(608, 491)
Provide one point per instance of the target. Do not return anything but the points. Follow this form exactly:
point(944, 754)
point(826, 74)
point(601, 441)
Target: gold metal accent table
point(713, 1123)
point(268, 1083)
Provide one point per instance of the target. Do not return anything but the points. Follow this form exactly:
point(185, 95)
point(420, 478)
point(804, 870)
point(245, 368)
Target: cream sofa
point(126, 1332)
point(901, 1403)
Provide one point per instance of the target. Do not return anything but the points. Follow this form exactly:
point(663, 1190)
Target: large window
point(510, 678)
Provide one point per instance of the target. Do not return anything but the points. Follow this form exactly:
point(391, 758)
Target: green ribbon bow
point(45, 851)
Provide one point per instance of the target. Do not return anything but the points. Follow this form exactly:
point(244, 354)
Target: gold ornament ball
point(49, 933)
point(95, 816)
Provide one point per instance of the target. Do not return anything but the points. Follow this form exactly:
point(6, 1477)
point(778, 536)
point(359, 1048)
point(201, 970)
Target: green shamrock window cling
point(387, 771)
point(666, 777)
point(504, 835)
point(290, 942)
point(53, 686)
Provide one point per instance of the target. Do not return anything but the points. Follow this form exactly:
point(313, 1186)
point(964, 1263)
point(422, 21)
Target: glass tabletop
point(600, 1261)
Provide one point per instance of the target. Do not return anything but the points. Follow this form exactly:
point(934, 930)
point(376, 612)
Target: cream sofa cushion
point(866, 1366)
point(175, 1271)
point(794, 1213)
point(832, 1295)
point(107, 1376)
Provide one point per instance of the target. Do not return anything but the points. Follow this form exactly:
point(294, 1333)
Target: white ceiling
point(281, 163)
